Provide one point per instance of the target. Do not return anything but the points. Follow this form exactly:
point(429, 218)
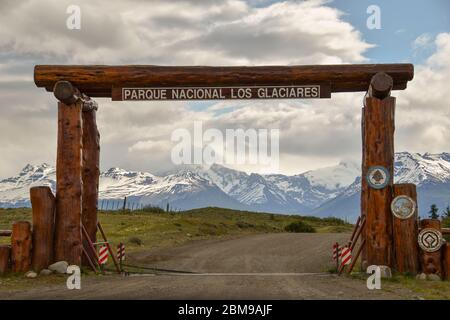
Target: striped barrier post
point(103, 255)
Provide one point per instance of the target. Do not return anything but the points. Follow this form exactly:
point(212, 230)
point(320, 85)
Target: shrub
point(136, 241)
point(244, 225)
point(334, 221)
point(299, 226)
point(153, 209)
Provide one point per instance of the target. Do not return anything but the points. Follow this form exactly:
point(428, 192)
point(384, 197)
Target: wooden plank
point(90, 175)
point(111, 252)
point(221, 93)
point(378, 150)
point(68, 245)
point(98, 80)
point(356, 256)
point(21, 241)
point(43, 208)
point(405, 233)
point(5, 254)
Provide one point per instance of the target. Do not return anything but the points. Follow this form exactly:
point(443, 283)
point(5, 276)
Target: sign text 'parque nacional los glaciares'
point(222, 93)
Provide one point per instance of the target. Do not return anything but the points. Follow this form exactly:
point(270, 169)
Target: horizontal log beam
point(98, 80)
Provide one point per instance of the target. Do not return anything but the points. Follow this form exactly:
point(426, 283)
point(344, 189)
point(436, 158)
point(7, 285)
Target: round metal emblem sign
point(378, 177)
point(403, 207)
point(430, 240)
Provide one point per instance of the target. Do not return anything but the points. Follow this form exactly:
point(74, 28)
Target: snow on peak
point(334, 177)
point(276, 192)
point(417, 168)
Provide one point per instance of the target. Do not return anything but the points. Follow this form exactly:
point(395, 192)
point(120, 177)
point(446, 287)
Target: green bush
point(153, 209)
point(446, 223)
point(299, 226)
point(334, 221)
point(136, 240)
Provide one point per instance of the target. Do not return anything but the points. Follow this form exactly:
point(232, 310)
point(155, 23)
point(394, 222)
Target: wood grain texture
point(43, 208)
point(364, 264)
point(68, 245)
point(431, 261)
point(90, 175)
point(446, 260)
point(380, 85)
point(21, 240)
point(98, 80)
point(5, 261)
point(405, 233)
point(378, 150)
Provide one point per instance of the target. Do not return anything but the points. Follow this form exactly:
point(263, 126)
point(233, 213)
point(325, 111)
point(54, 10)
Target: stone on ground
point(45, 272)
point(31, 274)
point(59, 267)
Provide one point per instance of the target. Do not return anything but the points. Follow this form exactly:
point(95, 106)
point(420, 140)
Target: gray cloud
point(137, 135)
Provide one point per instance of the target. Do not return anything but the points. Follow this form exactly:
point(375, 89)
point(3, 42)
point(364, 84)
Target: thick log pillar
point(405, 233)
point(446, 260)
point(21, 246)
point(43, 206)
point(68, 245)
point(378, 150)
point(90, 173)
point(431, 262)
point(5, 254)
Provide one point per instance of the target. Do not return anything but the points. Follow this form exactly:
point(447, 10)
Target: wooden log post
point(43, 206)
point(90, 175)
point(431, 262)
point(378, 150)
point(405, 232)
point(5, 254)
point(68, 241)
point(446, 260)
point(21, 240)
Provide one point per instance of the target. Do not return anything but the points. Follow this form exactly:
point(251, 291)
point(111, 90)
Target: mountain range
point(330, 191)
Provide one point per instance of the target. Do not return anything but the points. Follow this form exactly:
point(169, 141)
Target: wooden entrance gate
point(389, 241)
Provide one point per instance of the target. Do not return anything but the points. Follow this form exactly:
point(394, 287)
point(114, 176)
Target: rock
point(421, 276)
point(433, 277)
point(364, 265)
point(31, 274)
point(385, 272)
point(45, 272)
point(59, 267)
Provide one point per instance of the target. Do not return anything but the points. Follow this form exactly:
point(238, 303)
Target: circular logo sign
point(378, 177)
point(403, 207)
point(430, 240)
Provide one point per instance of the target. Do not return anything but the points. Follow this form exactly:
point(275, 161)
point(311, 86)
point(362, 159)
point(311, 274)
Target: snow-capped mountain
point(331, 191)
point(430, 173)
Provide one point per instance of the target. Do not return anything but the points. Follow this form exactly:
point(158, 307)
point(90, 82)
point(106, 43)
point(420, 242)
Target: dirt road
point(268, 266)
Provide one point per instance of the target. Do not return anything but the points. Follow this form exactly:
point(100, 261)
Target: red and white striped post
point(102, 255)
point(121, 254)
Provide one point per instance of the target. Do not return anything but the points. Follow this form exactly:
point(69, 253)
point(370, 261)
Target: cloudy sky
point(313, 133)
